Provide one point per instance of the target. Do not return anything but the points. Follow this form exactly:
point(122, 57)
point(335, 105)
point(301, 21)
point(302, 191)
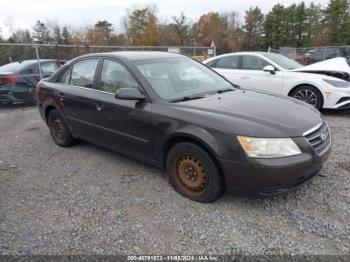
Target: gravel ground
point(88, 200)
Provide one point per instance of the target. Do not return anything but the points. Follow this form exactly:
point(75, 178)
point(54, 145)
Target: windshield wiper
point(220, 91)
point(187, 98)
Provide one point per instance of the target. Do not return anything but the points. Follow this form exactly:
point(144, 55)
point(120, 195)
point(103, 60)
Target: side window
point(83, 73)
point(115, 76)
point(228, 62)
point(212, 63)
point(253, 63)
point(65, 77)
point(49, 68)
point(27, 72)
point(34, 69)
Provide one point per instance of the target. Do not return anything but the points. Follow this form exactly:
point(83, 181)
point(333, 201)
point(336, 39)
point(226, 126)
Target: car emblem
point(323, 136)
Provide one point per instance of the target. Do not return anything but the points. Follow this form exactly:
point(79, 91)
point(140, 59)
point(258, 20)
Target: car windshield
point(15, 66)
point(181, 78)
point(283, 61)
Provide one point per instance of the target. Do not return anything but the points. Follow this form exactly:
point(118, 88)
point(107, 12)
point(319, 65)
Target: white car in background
point(274, 73)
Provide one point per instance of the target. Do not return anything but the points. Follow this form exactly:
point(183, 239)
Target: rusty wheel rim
point(190, 174)
point(58, 128)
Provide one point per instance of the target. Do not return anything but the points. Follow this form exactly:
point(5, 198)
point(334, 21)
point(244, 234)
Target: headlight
point(337, 83)
point(268, 147)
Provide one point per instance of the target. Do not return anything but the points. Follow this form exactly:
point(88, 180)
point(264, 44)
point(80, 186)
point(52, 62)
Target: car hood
point(334, 64)
point(252, 113)
point(336, 67)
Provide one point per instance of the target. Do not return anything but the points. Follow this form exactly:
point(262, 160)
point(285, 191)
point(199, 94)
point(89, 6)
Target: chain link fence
point(23, 65)
point(310, 55)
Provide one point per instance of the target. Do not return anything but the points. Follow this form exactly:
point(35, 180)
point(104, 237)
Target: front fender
point(200, 135)
point(217, 143)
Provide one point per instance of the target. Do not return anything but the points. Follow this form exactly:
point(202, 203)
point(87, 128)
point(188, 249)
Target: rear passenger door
point(228, 66)
point(76, 94)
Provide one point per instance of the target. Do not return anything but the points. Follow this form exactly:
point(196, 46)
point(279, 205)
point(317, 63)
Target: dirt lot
point(88, 200)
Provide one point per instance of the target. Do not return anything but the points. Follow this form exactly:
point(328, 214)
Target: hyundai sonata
point(173, 112)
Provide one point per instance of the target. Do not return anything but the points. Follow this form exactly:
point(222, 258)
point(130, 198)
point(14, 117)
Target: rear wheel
point(59, 129)
point(308, 94)
point(193, 173)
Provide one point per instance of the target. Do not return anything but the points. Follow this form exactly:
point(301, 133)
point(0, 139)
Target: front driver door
point(254, 77)
point(122, 125)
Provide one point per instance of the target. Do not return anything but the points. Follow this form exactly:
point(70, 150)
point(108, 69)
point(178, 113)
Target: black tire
point(201, 186)
point(59, 130)
point(308, 94)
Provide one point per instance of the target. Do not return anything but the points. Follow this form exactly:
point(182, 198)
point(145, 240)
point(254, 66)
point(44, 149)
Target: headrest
point(117, 75)
point(158, 70)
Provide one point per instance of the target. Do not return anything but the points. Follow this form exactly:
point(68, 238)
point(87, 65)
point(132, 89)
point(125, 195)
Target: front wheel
point(310, 95)
point(193, 173)
point(59, 130)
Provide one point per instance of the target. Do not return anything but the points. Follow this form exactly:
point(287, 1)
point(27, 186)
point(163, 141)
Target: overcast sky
point(23, 13)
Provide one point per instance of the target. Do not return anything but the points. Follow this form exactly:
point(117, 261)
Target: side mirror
point(269, 68)
point(129, 93)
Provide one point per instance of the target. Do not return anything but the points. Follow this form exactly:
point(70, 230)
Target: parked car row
point(206, 132)
point(320, 54)
point(314, 55)
point(18, 80)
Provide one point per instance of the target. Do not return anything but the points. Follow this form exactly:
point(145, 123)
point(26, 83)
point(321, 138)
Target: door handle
point(245, 77)
point(98, 106)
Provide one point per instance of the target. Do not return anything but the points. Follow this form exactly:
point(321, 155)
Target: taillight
point(37, 89)
point(8, 79)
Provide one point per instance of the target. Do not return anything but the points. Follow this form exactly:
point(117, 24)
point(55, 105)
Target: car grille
point(319, 137)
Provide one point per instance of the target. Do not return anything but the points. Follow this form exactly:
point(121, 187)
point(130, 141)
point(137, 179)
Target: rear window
point(49, 68)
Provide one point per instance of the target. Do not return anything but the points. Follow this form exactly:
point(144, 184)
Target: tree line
point(296, 25)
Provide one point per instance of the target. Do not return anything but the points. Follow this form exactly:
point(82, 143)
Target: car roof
point(248, 53)
point(18, 66)
point(34, 61)
point(238, 53)
point(138, 55)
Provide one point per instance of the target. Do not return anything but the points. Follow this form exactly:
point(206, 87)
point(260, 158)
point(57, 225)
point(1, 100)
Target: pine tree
point(275, 27)
point(102, 31)
point(253, 28)
point(337, 18)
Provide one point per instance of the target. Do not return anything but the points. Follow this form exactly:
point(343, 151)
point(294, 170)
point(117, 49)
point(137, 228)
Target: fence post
point(58, 53)
point(38, 59)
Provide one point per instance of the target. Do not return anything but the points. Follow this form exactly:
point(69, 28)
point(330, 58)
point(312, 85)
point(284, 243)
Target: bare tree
point(182, 28)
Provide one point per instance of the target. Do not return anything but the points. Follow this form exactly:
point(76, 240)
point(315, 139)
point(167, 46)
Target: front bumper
point(263, 177)
point(337, 98)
